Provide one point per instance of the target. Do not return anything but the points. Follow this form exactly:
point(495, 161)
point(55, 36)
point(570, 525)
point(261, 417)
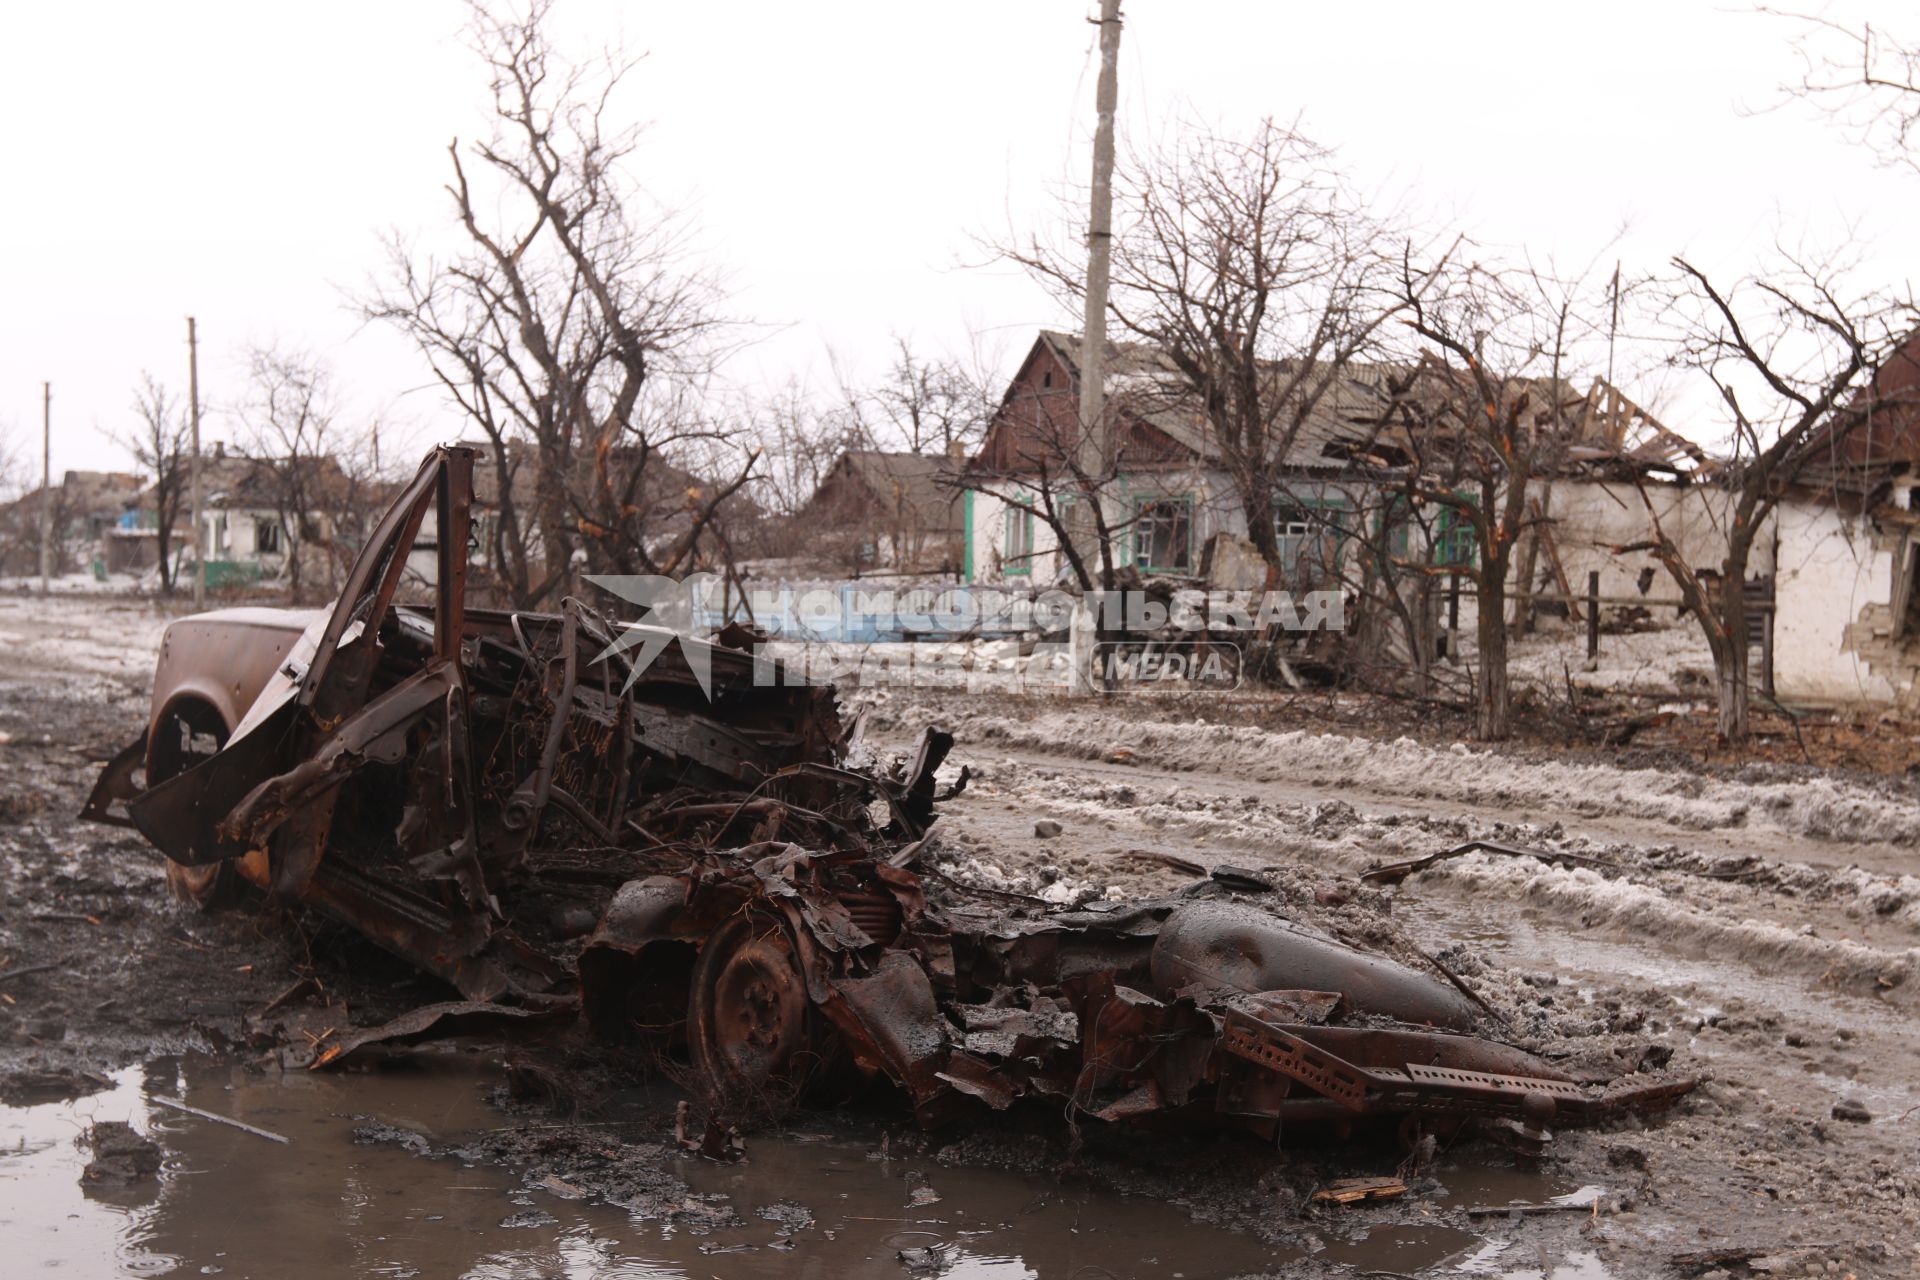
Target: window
point(1016, 537)
point(266, 537)
point(1455, 544)
point(1310, 533)
point(1163, 535)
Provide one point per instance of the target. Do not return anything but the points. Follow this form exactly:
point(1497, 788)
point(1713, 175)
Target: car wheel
point(751, 1029)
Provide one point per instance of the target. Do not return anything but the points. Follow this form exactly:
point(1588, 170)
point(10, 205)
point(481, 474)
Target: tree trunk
point(1492, 698)
point(1730, 663)
point(1529, 567)
point(550, 497)
point(163, 544)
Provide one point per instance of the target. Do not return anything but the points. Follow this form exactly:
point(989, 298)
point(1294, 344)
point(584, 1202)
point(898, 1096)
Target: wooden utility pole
point(193, 469)
point(1096, 451)
point(46, 486)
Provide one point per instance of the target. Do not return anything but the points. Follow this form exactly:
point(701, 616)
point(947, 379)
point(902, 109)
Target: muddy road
point(1759, 923)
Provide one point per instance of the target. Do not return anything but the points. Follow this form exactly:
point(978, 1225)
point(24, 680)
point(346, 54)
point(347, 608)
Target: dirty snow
point(1824, 808)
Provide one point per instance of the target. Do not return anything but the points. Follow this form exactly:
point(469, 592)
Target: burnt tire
point(753, 1036)
point(189, 733)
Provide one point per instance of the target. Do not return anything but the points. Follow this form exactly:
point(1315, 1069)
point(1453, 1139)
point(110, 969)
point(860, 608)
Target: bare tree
point(1791, 356)
point(19, 519)
point(1487, 405)
point(928, 404)
point(799, 442)
point(289, 419)
point(559, 323)
point(161, 446)
point(1252, 266)
point(1866, 78)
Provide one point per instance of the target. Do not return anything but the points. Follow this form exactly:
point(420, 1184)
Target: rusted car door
point(274, 784)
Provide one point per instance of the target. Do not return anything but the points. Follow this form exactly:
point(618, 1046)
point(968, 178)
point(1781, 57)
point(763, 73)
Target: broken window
point(1395, 521)
point(266, 537)
point(1309, 533)
point(1163, 535)
point(1016, 537)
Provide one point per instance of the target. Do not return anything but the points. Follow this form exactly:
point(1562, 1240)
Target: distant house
point(86, 505)
point(883, 512)
point(245, 531)
point(667, 500)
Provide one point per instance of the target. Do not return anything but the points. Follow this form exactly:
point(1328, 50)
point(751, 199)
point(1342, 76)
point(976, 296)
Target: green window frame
point(1455, 544)
point(1016, 537)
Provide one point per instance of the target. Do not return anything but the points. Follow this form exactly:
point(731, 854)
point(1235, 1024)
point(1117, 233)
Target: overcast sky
point(238, 161)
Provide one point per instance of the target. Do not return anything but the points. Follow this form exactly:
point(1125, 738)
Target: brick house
point(1172, 495)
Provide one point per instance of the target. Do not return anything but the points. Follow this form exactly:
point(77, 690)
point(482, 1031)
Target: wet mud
point(439, 1164)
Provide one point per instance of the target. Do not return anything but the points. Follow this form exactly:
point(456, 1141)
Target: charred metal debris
point(504, 800)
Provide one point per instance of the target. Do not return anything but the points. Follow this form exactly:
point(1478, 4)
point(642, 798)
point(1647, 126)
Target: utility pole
point(1096, 446)
point(1093, 518)
point(193, 470)
point(46, 486)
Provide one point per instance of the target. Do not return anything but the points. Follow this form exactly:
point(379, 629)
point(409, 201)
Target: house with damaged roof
point(1847, 549)
point(1177, 512)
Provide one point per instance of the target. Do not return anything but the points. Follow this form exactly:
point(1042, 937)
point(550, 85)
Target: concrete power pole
point(1096, 452)
point(193, 468)
point(1096, 443)
point(46, 486)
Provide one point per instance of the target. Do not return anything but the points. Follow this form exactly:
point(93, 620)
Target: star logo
point(672, 610)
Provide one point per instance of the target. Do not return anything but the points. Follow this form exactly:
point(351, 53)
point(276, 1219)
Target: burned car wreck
point(691, 850)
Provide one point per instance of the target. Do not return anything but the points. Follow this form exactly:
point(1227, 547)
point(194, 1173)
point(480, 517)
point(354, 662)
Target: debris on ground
point(175, 1104)
point(121, 1156)
point(1852, 1109)
point(1354, 1190)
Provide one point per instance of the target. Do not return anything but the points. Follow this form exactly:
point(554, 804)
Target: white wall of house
point(1831, 578)
point(243, 534)
point(992, 540)
point(1592, 517)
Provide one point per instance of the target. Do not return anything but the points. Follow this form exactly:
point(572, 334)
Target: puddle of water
point(1478, 1184)
point(1404, 1249)
point(230, 1203)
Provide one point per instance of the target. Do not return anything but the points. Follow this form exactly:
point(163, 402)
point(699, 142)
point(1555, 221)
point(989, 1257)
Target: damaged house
point(1342, 470)
point(86, 508)
point(1847, 629)
point(1172, 492)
